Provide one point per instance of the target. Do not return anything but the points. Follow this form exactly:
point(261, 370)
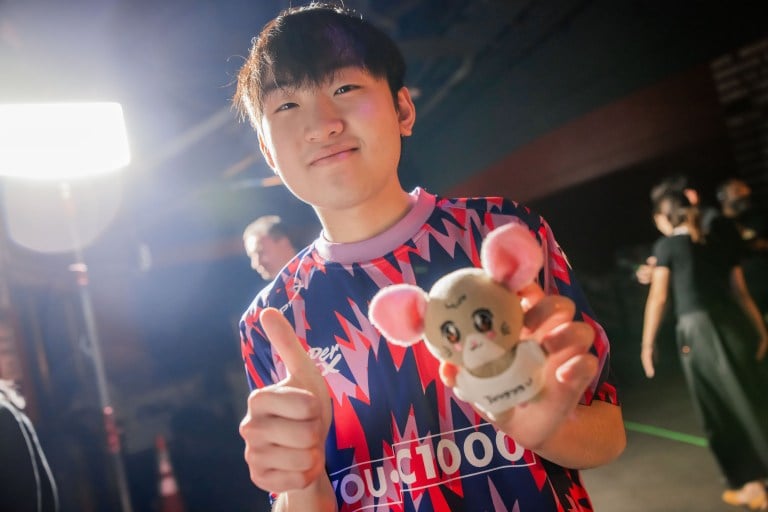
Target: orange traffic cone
point(170, 498)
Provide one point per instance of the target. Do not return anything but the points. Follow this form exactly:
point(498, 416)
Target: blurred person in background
point(751, 220)
point(722, 343)
point(26, 481)
point(269, 245)
point(712, 223)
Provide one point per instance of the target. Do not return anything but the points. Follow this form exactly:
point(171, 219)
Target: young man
point(268, 244)
point(340, 419)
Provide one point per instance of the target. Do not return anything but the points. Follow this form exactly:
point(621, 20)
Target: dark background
point(575, 107)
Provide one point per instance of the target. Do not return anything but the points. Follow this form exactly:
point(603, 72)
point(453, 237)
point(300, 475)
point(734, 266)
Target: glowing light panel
point(62, 141)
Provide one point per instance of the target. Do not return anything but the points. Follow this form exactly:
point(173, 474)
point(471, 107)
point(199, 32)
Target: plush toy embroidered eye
point(471, 321)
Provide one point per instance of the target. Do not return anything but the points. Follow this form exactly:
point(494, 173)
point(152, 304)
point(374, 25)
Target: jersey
point(400, 440)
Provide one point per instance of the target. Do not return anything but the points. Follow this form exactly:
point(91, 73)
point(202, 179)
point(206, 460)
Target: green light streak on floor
point(665, 433)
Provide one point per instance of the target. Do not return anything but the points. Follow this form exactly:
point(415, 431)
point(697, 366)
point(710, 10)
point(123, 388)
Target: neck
point(367, 219)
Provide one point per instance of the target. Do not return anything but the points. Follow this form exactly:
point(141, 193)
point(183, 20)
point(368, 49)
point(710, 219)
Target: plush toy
point(471, 321)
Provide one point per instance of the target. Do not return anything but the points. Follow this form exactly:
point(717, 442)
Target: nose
point(324, 121)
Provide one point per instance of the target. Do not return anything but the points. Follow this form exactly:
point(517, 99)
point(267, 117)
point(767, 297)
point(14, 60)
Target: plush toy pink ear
point(398, 312)
point(512, 256)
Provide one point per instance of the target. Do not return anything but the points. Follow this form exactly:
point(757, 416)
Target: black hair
point(675, 206)
point(305, 46)
point(673, 183)
point(722, 187)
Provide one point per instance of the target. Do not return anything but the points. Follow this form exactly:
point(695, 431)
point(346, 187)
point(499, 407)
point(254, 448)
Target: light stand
point(62, 142)
point(80, 270)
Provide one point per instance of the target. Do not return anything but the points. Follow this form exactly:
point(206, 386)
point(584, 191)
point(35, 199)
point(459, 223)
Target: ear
point(512, 256)
point(406, 111)
point(398, 312)
point(267, 154)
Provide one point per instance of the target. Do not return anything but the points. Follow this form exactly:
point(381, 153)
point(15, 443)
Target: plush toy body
point(471, 320)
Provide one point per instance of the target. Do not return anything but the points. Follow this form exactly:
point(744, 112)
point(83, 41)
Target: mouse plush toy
point(471, 321)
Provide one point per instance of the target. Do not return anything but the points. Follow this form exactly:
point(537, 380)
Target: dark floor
point(657, 474)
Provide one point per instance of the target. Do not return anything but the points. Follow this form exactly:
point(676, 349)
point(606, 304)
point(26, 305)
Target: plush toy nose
point(474, 344)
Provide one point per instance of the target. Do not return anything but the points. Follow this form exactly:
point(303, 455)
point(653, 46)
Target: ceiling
point(489, 77)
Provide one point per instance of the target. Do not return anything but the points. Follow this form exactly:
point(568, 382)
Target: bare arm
point(592, 436)
point(743, 297)
point(654, 311)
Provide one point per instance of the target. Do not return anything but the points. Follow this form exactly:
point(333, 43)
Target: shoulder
point(285, 286)
point(662, 246)
point(492, 211)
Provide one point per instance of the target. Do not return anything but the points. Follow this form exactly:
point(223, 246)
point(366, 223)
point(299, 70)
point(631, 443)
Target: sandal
point(751, 495)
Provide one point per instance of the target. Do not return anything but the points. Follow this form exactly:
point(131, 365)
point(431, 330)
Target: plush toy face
point(473, 321)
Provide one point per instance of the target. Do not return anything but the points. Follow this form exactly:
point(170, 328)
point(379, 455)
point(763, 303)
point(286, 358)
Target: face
point(336, 146)
point(268, 255)
point(737, 196)
point(662, 224)
point(471, 320)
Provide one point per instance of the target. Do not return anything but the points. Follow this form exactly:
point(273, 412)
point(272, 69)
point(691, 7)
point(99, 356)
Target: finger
point(577, 372)
point(568, 339)
point(281, 458)
point(548, 313)
point(283, 339)
point(284, 402)
point(530, 295)
point(448, 372)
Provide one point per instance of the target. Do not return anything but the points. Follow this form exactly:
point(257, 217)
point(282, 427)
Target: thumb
point(302, 372)
point(283, 339)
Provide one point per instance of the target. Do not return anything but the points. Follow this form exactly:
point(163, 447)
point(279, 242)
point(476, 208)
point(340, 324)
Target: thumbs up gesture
point(286, 424)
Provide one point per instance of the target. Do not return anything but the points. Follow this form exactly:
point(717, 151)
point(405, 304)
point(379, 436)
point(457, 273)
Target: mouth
point(332, 156)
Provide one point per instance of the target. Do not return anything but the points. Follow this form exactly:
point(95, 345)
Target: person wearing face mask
point(751, 220)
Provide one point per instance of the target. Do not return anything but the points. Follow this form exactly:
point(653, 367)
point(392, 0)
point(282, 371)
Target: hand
point(568, 370)
point(286, 424)
point(648, 357)
point(644, 272)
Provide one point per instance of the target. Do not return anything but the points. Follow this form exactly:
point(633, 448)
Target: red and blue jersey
point(400, 440)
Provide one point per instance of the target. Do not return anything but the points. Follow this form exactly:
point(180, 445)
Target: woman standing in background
point(722, 342)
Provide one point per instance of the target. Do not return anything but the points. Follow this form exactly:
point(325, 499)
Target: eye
point(286, 106)
point(483, 320)
point(450, 332)
point(346, 88)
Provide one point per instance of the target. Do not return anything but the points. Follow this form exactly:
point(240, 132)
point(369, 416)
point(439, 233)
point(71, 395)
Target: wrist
point(319, 494)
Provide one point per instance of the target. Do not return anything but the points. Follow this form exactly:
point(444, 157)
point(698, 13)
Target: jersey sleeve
point(256, 350)
point(558, 278)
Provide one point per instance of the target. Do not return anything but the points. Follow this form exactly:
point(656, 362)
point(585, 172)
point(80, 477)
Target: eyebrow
point(458, 302)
